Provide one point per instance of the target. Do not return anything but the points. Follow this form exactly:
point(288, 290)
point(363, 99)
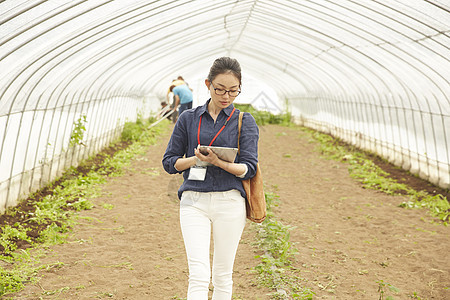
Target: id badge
point(197, 173)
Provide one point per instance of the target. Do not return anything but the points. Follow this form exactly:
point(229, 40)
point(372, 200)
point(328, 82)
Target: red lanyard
point(200, 124)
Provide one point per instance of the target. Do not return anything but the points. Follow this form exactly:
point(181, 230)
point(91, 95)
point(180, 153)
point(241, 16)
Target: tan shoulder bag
point(256, 201)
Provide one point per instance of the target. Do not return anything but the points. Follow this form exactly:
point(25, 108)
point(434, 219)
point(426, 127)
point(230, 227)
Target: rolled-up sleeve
point(249, 145)
point(176, 148)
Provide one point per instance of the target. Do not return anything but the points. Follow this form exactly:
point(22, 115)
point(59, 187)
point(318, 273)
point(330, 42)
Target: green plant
point(108, 206)
point(23, 271)
point(414, 296)
point(438, 205)
point(53, 215)
point(382, 290)
point(264, 117)
point(11, 236)
point(54, 292)
point(104, 294)
point(77, 135)
point(275, 270)
point(363, 169)
point(12, 280)
point(138, 131)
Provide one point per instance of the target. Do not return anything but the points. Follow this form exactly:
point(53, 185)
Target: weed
point(11, 236)
point(382, 290)
point(137, 131)
point(104, 294)
point(363, 169)
point(275, 270)
point(22, 272)
point(54, 292)
point(131, 132)
point(77, 135)
point(108, 206)
point(50, 219)
point(438, 205)
point(414, 296)
point(264, 117)
point(12, 280)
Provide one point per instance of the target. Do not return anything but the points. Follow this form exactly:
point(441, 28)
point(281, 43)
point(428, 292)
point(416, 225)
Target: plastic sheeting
point(375, 73)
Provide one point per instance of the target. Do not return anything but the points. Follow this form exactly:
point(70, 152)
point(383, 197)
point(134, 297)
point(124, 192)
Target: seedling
point(382, 290)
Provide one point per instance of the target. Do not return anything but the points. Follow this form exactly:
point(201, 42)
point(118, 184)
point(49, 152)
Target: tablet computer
point(224, 153)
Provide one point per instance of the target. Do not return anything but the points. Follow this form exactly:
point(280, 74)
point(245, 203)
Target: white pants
point(225, 211)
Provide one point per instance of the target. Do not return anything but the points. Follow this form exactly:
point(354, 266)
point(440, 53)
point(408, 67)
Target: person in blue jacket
point(212, 197)
point(183, 96)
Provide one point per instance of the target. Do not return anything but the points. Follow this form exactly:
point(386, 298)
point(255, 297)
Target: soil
point(351, 241)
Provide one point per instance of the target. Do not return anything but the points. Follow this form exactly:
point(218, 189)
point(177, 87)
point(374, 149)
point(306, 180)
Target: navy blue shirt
point(184, 140)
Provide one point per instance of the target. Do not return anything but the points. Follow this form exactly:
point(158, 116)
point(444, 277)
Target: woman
point(213, 196)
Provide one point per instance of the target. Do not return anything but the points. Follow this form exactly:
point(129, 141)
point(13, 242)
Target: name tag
point(197, 173)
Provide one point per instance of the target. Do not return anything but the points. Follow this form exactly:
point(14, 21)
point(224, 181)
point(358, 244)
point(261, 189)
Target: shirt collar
point(202, 109)
point(229, 109)
point(226, 110)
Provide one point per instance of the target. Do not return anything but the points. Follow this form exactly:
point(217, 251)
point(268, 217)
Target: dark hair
point(224, 65)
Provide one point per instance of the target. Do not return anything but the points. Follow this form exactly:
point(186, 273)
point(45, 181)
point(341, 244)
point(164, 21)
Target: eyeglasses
point(221, 92)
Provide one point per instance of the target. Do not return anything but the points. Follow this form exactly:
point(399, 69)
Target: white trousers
point(225, 211)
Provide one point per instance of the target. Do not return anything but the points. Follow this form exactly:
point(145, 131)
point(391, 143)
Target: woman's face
point(222, 83)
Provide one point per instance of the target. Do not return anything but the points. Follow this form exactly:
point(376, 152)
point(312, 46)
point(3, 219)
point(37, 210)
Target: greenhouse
point(374, 74)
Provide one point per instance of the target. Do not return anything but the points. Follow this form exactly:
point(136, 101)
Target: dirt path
point(349, 238)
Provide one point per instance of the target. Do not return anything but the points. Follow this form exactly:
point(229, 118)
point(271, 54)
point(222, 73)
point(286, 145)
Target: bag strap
point(241, 114)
